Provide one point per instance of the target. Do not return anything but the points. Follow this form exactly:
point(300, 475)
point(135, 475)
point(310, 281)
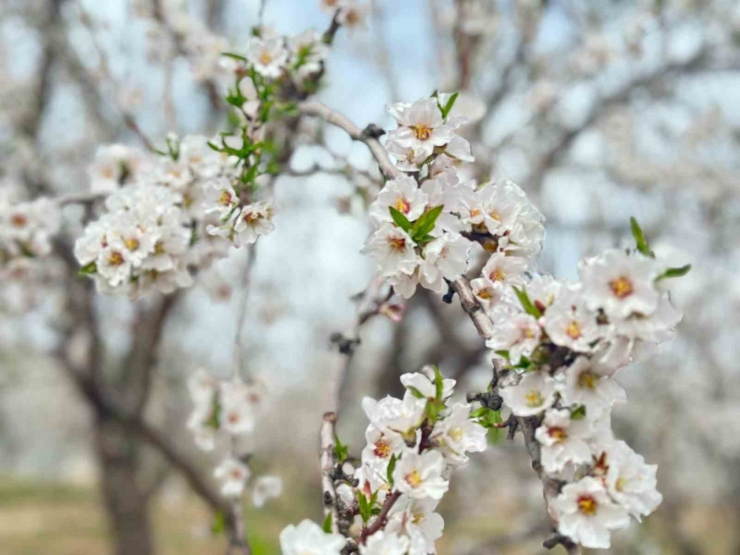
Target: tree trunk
point(127, 506)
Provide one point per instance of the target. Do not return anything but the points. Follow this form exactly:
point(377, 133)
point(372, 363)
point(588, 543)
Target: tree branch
point(369, 135)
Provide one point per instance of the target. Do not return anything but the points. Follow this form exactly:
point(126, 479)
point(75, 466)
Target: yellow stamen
point(225, 198)
point(115, 258)
point(422, 132)
point(622, 287)
point(558, 434)
point(534, 399)
point(18, 220)
point(382, 449)
point(397, 243)
point(413, 479)
point(619, 486)
point(573, 330)
point(587, 380)
point(497, 275)
point(131, 244)
point(403, 206)
point(587, 505)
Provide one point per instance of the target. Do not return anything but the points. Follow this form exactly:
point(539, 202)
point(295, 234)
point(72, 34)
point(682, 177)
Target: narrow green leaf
point(327, 524)
point(391, 469)
point(480, 411)
point(637, 233)
point(674, 272)
point(503, 354)
point(450, 103)
point(400, 220)
point(438, 383)
point(219, 523)
point(527, 305)
point(341, 451)
point(235, 56)
point(415, 392)
point(425, 223)
point(88, 269)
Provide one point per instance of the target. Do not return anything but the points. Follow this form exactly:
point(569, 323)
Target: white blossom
point(421, 475)
point(621, 284)
point(421, 127)
point(534, 393)
point(402, 194)
point(233, 475)
point(587, 515)
point(631, 482)
point(268, 56)
point(416, 517)
point(385, 543)
point(563, 440)
point(309, 539)
point(581, 385)
point(265, 488)
point(393, 250)
point(456, 434)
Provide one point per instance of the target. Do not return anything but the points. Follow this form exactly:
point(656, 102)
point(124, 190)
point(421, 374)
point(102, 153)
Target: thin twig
point(241, 319)
point(368, 304)
point(367, 136)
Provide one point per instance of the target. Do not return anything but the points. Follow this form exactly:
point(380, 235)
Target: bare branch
point(367, 136)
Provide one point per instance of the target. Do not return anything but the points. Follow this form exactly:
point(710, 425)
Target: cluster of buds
point(388, 503)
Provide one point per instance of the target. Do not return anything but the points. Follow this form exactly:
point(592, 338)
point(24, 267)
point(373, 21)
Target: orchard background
point(598, 110)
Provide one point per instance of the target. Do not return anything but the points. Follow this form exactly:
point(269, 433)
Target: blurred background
point(600, 110)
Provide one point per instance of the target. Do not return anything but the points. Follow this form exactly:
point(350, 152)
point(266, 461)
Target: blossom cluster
point(412, 446)
point(561, 344)
point(229, 408)
point(27, 230)
point(160, 218)
point(299, 58)
point(428, 220)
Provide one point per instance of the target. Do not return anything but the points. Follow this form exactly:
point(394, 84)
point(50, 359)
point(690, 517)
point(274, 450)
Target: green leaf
point(341, 451)
point(438, 383)
point(495, 435)
point(214, 421)
point(579, 413)
point(400, 220)
point(363, 506)
point(642, 244)
point(527, 305)
point(235, 56)
point(415, 392)
point(433, 409)
point(477, 413)
point(425, 223)
point(523, 363)
point(503, 354)
point(424, 240)
point(327, 524)
point(391, 468)
point(674, 272)
point(219, 524)
point(88, 269)
point(450, 103)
